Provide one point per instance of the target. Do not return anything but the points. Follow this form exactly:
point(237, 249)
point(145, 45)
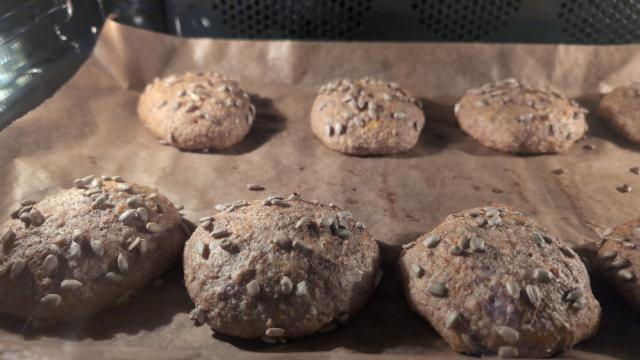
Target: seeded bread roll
point(492, 281)
point(621, 109)
point(197, 111)
point(366, 117)
point(81, 250)
point(618, 258)
point(277, 268)
point(512, 116)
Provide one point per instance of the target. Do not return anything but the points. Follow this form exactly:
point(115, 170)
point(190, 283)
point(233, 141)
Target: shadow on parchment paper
point(268, 122)
point(158, 304)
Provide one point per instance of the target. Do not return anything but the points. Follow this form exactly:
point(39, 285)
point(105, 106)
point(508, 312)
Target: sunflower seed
point(153, 227)
point(301, 289)
point(25, 218)
point(79, 184)
point(455, 250)
point(8, 237)
point(123, 264)
point(280, 202)
point(624, 188)
point(494, 221)
point(543, 275)
point(508, 352)
point(70, 284)
point(476, 244)
point(36, 217)
point(607, 255)
point(453, 319)
point(100, 201)
point(301, 246)
point(51, 300)
point(97, 247)
point(74, 249)
point(619, 263)
point(567, 252)
point(574, 294)
point(303, 222)
point(625, 274)
point(92, 192)
point(255, 187)
point(49, 264)
point(437, 289)
point(417, 271)
point(464, 243)
point(124, 187)
point(274, 332)
point(113, 277)
point(328, 130)
point(127, 216)
point(432, 241)
point(480, 103)
point(17, 268)
point(508, 334)
point(118, 179)
point(286, 285)
point(135, 201)
point(534, 295)
point(513, 289)
point(220, 233)
point(253, 288)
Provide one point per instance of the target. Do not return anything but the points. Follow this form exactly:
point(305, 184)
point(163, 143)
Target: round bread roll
point(366, 117)
point(512, 116)
point(197, 111)
point(621, 109)
point(278, 269)
point(618, 258)
point(491, 281)
point(83, 249)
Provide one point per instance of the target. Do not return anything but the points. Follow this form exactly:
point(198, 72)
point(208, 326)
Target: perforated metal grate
point(463, 19)
point(601, 22)
point(327, 19)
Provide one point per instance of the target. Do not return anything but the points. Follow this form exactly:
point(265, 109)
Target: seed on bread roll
point(83, 249)
point(279, 268)
point(492, 281)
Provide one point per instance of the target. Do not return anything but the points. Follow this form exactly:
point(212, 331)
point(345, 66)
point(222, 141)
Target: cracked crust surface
point(272, 271)
point(197, 111)
point(366, 117)
point(621, 110)
point(618, 258)
point(492, 281)
point(512, 116)
point(70, 255)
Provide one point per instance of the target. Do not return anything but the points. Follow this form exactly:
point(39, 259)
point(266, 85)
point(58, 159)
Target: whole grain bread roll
point(83, 249)
point(279, 268)
point(200, 111)
point(492, 281)
point(621, 110)
point(512, 116)
point(366, 117)
point(618, 258)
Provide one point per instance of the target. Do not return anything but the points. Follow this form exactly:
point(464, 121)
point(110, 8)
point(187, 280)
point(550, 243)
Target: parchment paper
point(90, 126)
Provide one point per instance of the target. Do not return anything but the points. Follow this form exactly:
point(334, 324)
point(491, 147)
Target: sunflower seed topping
point(135, 201)
point(417, 270)
point(17, 268)
point(508, 352)
point(432, 241)
point(255, 187)
point(70, 284)
point(274, 332)
point(619, 263)
point(302, 289)
point(142, 214)
point(534, 295)
point(153, 227)
point(7, 237)
point(36, 217)
point(453, 319)
point(253, 288)
point(567, 252)
point(49, 264)
point(508, 334)
point(127, 216)
point(51, 300)
point(123, 264)
point(286, 285)
point(607, 255)
point(513, 289)
point(74, 249)
point(220, 233)
point(303, 222)
point(625, 274)
point(437, 289)
point(543, 275)
point(301, 246)
point(574, 294)
point(113, 277)
point(455, 250)
point(476, 244)
point(97, 247)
